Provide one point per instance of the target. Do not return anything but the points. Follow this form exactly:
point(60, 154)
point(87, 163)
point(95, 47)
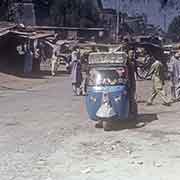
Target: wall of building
point(157, 13)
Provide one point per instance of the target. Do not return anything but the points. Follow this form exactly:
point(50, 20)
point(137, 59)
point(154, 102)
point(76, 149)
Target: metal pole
point(8, 9)
point(165, 24)
point(118, 18)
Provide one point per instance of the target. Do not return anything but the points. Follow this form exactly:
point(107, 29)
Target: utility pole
point(8, 10)
point(117, 19)
point(165, 21)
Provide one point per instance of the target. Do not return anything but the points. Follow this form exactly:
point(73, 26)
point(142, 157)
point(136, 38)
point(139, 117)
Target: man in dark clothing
point(131, 63)
point(85, 61)
point(175, 77)
point(76, 73)
point(28, 59)
point(36, 61)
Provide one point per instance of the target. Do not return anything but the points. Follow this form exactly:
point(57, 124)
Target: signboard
point(108, 58)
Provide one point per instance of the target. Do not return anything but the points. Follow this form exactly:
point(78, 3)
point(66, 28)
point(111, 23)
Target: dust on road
point(46, 135)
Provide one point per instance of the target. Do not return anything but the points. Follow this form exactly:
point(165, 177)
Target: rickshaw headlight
point(125, 93)
point(119, 98)
point(92, 98)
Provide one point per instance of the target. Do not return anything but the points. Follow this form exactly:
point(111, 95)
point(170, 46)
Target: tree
point(3, 10)
point(89, 14)
point(174, 27)
point(8, 9)
point(62, 11)
point(42, 11)
point(74, 13)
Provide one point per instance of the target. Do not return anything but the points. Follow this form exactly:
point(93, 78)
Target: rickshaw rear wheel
point(134, 112)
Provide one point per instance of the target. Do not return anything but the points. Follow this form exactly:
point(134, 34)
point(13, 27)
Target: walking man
point(76, 73)
point(157, 72)
point(84, 60)
point(54, 62)
point(28, 60)
point(54, 57)
point(175, 77)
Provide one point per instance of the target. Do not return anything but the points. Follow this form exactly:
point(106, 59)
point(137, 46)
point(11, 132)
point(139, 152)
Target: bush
point(174, 28)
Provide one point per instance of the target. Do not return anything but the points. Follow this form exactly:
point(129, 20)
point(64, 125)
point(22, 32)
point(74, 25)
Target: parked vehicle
point(108, 88)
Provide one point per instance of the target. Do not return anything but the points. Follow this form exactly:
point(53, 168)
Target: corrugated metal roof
point(6, 25)
point(32, 35)
point(5, 28)
point(67, 28)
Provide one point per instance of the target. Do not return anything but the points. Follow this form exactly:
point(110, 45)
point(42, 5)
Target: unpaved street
point(45, 135)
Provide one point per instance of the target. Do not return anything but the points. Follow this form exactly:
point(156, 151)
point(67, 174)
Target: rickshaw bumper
point(117, 108)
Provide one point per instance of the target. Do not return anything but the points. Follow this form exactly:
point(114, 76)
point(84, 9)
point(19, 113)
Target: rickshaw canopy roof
point(108, 58)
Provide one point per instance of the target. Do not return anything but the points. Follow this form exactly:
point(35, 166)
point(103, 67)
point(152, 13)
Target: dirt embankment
point(13, 82)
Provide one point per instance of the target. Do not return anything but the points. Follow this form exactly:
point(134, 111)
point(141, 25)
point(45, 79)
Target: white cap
point(176, 55)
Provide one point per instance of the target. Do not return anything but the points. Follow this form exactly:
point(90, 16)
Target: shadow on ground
point(62, 73)
point(38, 75)
point(142, 121)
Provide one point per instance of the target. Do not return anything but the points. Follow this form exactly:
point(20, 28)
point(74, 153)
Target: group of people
point(156, 72)
point(158, 76)
point(31, 54)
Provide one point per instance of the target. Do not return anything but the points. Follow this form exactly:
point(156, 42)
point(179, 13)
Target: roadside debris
point(157, 164)
point(86, 171)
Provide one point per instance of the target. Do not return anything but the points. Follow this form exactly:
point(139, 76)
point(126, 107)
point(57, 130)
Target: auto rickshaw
point(108, 96)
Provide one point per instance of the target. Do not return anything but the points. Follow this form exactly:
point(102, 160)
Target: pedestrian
point(158, 79)
point(54, 52)
point(28, 59)
point(84, 60)
point(76, 73)
point(131, 63)
point(36, 60)
point(54, 62)
point(175, 77)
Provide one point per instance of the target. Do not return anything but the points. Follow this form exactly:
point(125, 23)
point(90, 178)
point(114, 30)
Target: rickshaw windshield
point(107, 77)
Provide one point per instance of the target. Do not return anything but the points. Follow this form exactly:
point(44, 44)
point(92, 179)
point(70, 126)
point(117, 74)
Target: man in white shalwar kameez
point(175, 77)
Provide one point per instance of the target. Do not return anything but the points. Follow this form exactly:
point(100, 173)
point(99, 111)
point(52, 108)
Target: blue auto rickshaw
point(108, 96)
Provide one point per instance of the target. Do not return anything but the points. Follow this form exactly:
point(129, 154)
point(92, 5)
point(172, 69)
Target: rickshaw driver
point(132, 81)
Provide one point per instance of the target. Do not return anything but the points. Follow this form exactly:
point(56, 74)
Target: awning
point(6, 27)
point(33, 35)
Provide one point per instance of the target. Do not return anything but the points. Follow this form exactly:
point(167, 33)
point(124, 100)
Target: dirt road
point(45, 135)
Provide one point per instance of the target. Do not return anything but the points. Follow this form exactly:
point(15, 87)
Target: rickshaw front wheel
point(107, 125)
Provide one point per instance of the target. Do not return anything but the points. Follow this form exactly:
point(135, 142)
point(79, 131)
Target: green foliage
point(89, 13)
point(77, 13)
point(174, 27)
point(8, 10)
point(3, 10)
point(62, 12)
point(74, 13)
